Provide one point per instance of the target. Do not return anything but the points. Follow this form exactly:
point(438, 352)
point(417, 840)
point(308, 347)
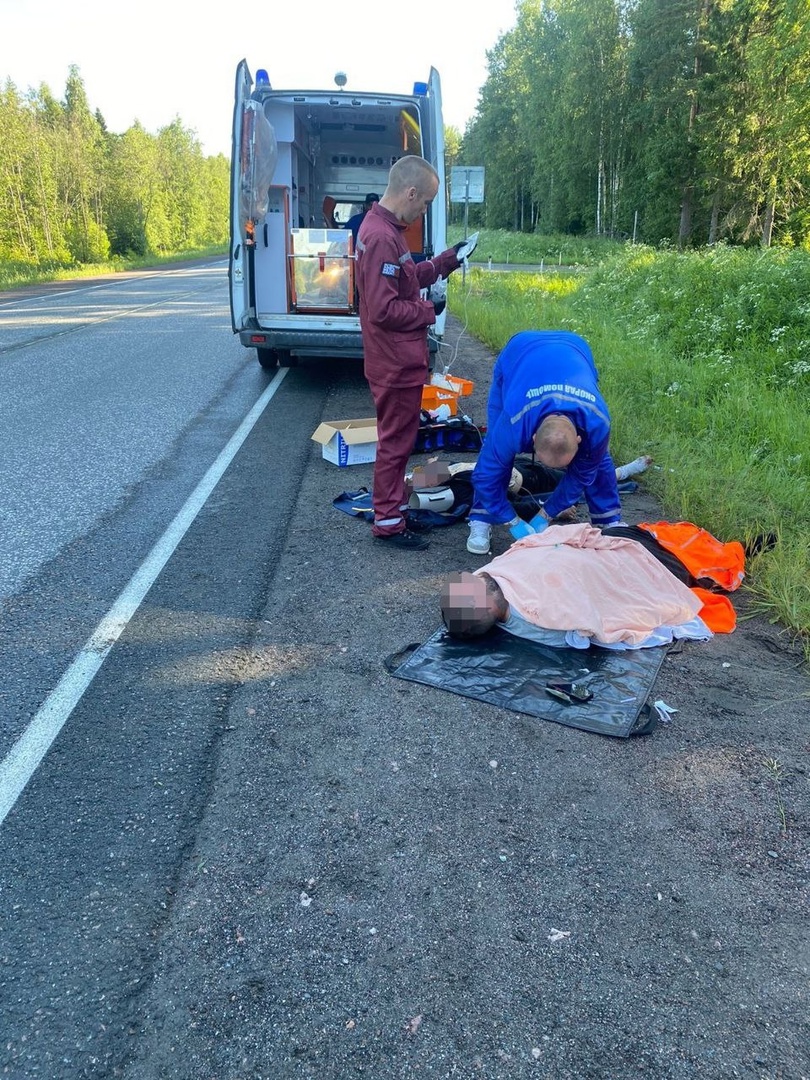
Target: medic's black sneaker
point(416, 525)
point(407, 539)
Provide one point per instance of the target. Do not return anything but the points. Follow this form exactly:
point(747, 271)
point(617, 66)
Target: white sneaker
point(479, 538)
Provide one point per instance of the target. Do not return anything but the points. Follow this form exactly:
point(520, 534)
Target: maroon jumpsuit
point(394, 321)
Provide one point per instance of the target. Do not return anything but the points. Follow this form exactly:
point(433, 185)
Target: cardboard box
point(348, 442)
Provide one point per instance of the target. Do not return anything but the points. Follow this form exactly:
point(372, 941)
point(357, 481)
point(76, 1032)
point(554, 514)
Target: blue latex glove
point(539, 522)
point(519, 528)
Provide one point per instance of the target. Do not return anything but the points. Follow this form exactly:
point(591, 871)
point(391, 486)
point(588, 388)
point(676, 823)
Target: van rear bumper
point(305, 342)
point(348, 344)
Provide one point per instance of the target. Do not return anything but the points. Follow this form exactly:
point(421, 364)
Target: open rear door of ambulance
point(435, 155)
point(433, 142)
point(238, 268)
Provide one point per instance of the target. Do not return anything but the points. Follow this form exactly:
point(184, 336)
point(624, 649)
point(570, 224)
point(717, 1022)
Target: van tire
point(268, 358)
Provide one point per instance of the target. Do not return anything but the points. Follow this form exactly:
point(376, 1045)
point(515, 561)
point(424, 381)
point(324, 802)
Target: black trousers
point(538, 480)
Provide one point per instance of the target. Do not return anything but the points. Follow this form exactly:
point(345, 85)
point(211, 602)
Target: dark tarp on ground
point(358, 504)
point(512, 673)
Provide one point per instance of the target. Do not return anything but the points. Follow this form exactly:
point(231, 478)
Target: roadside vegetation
point(705, 362)
point(77, 199)
point(505, 247)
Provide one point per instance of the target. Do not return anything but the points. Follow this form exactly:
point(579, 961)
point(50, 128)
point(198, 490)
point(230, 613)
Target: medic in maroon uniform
point(394, 319)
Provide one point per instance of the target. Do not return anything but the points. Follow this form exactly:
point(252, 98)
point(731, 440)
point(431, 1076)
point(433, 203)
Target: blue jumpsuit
point(540, 373)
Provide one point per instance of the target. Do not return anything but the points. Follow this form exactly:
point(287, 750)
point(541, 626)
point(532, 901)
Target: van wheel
point(285, 359)
point(268, 358)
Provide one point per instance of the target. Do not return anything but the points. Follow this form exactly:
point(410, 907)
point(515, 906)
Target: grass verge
point(704, 360)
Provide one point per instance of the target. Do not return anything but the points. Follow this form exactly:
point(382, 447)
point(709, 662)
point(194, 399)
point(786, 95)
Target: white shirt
point(694, 630)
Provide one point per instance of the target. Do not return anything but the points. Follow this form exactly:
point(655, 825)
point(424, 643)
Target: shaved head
point(412, 187)
point(411, 171)
point(556, 442)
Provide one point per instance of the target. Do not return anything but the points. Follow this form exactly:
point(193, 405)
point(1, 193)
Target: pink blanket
point(571, 577)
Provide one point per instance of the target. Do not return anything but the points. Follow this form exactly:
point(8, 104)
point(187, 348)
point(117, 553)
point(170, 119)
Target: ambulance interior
point(332, 150)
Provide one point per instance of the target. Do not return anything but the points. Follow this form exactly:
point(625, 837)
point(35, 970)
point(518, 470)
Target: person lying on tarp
point(619, 587)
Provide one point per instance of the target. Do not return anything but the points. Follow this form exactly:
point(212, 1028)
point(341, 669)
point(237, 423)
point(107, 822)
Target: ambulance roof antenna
point(340, 79)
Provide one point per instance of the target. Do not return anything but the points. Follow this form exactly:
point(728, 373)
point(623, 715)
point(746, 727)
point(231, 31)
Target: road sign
point(467, 183)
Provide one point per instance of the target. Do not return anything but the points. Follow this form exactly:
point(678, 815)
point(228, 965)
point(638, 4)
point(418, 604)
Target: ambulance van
point(303, 162)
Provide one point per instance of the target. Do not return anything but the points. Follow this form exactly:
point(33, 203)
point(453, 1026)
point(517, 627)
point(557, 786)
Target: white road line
point(21, 763)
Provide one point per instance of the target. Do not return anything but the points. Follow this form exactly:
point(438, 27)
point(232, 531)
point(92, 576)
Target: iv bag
point(259, 156)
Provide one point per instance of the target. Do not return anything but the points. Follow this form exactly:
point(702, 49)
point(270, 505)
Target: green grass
point(16, 274)
point(534, 248)
point(773, 768)
point(704, 359)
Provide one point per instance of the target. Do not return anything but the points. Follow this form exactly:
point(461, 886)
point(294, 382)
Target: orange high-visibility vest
point(704, 556)
point(717, 612)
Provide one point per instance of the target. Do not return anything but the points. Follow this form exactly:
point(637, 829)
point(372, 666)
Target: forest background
point(686, 121)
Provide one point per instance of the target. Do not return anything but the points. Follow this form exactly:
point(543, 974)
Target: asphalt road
point(249, 853)
point(117, 399)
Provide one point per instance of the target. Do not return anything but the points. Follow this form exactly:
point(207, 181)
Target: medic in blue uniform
point(540, 374)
